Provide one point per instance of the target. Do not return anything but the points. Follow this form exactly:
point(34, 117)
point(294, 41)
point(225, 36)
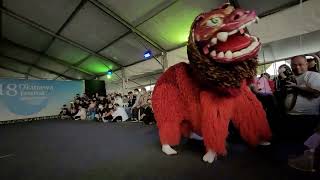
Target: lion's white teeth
point(221, 55)
point(228, 55)
point(214, 41)
point(237, 54)
point(222, 36)
point(213, 54)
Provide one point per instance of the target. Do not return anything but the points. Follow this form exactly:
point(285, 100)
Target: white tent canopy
point(82, 39)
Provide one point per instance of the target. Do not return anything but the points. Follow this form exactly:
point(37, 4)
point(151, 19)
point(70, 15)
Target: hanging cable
point(301, 15)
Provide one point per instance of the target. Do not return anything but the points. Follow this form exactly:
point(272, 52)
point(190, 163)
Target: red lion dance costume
point(203, 96)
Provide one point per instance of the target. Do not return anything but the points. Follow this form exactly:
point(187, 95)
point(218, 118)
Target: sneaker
point(265, 143)
point(303, 162)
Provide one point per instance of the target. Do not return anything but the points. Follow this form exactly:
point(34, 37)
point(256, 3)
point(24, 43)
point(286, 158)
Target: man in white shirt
point(119, 112)
point(81, 115)
point(118, 100)
point(304, 116)
point(308, 88)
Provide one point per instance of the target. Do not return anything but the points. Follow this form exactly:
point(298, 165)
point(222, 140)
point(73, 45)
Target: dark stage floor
point(79, 150)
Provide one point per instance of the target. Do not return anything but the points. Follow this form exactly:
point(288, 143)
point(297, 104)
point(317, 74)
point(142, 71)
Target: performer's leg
point(250, 118)
point(215, 120)
point(168, 113)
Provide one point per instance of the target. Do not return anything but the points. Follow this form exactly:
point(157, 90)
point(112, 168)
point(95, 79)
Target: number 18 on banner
point(8, 90)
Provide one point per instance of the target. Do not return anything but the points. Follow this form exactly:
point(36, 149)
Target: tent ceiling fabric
point(82, 40)
point(171, 27)
point(93, 28)
point(77, 74)
point(290, 22)
point(24, 34)
point(49, 13)
point(9, 50)
point(66, 52)
point(5, 73)
point(51, 65)
point(144, 67)
point(5, 62)
point(289, 47)
point(139, 11)
point(264, 6)
point(40, 73)
point(129, 49)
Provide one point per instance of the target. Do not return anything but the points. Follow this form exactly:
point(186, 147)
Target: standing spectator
point(312, 65)
point(304, 116)
point(131, 100)
point(135, 108)
point(285, 95)
point(141, 103)
point(143, 100)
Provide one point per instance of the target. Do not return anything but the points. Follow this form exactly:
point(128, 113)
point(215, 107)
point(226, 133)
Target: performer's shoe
point(265, 143)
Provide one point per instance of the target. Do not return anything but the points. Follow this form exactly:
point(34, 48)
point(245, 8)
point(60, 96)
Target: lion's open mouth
point(232, 46)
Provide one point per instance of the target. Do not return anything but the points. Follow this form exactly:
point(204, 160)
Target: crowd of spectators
point(114, 107)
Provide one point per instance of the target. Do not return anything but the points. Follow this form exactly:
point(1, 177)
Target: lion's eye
point(216, 21)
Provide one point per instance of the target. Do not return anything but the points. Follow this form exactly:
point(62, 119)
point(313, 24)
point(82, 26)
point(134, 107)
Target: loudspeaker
point(95, 86)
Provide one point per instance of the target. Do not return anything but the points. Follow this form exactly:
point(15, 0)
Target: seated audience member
point(100, 112)
point(125, 100)
point(84, 96)
point(81, 115)
point(77, 103)
point(108, 113)
point(92, 109)
point(64, 113)
point(77, 96)
point(118, 100)
point(73, 110)
point(112, 101)
point(119, 114)
point(148, 117)
point(304, 116)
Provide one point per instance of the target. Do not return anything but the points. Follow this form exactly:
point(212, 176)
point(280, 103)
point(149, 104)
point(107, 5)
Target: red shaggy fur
point(177, 99)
